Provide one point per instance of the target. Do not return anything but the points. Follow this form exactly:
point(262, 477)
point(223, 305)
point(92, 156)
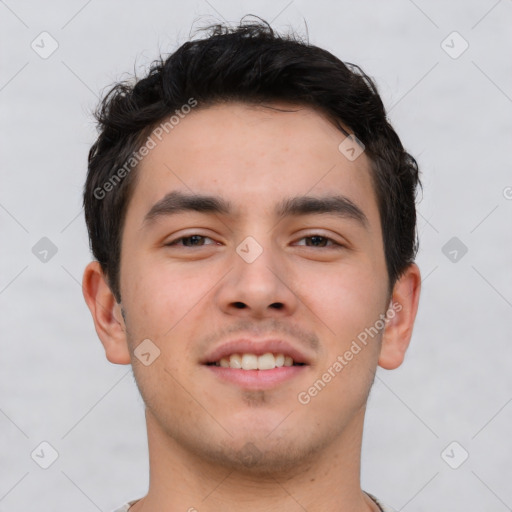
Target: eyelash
point(334, 244)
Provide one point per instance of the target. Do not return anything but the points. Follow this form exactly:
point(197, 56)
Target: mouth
point(256, 380)
point(248, 361)
point(257, 370)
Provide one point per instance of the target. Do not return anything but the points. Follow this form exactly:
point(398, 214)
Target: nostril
point(275, 305)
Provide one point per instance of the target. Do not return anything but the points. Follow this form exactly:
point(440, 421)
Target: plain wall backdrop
point(444, 72)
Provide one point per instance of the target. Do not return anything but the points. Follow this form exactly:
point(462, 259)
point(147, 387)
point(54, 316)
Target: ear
point(106, 313)
point(401, 315)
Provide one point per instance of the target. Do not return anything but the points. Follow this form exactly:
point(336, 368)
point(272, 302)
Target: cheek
point(346, 305)
point(156, 295)
point(347, 299)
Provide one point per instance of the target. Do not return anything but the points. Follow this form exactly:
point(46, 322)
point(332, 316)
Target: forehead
point(253, 156)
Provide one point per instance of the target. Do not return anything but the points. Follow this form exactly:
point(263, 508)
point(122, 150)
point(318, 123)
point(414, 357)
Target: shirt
point(381, 505)
point(384, 508)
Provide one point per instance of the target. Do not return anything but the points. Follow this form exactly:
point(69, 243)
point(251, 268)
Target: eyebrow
point(338, 205)
point(179, 202)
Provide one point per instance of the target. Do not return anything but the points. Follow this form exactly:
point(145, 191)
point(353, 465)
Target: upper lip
point(257, 347)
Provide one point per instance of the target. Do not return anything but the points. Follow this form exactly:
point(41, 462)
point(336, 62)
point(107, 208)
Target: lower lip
point(257, 379)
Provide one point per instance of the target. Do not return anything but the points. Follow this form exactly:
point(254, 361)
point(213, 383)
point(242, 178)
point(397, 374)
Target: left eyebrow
point(338, 205)
point(178, 202)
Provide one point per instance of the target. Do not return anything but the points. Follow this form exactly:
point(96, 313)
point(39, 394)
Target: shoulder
point(383, 506)
point(126, 507)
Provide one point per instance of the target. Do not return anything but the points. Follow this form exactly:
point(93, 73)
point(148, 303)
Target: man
point(252, 215)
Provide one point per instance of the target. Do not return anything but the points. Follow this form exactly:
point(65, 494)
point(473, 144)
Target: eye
point(191, 241)
point(319, 241)
point(195, 240)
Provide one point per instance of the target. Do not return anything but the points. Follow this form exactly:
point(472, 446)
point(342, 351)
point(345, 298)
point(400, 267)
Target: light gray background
point(453, 114)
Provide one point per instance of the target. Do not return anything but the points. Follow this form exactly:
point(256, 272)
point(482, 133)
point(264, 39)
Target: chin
point(261, 456)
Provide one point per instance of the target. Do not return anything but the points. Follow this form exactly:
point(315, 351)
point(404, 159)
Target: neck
point(328, 480)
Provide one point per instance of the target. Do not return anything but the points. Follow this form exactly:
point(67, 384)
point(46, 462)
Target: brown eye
point(190, 241)
point(319, 241)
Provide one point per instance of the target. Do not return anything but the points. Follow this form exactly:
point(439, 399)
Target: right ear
point(106, 313)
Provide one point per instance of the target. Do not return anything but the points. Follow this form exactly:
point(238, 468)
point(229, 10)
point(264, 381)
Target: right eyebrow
point(178, 202)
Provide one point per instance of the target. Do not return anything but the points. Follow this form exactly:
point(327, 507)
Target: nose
point(260, 287)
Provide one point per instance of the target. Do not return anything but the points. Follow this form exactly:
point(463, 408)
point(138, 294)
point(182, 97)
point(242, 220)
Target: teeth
point(267, 361)
point(235, 361)
point(249, 362)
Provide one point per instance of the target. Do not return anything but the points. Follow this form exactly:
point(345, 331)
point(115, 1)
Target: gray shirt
point(383, 507)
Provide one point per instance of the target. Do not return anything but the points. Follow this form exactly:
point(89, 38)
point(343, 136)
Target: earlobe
point(106, 313)
point(401, 315)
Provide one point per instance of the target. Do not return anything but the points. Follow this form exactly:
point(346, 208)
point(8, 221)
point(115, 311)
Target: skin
point(187, 299)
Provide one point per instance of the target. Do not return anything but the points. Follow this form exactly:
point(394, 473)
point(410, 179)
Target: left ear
point(401, 315)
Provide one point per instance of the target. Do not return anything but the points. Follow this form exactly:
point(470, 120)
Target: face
point(284, 256)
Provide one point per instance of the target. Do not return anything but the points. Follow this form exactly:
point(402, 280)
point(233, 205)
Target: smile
point(267, 361)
